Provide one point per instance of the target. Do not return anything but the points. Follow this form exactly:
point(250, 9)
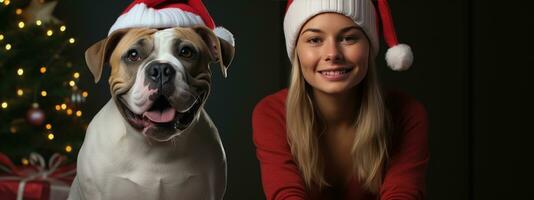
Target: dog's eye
point(133, 55)
point(186, 52)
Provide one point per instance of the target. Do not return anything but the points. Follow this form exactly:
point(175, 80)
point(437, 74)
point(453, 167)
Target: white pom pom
point(399, 57)
point(224, 34)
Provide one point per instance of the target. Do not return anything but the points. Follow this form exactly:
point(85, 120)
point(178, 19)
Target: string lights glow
point(50, 136)
point(68, 148)
point(32, 28)
point(13, 129)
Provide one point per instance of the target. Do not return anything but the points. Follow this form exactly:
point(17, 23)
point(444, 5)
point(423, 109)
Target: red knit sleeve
point(405, 174)
point(279, 174)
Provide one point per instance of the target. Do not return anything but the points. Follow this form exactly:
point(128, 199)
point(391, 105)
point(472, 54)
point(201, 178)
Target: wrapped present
point(37, 181)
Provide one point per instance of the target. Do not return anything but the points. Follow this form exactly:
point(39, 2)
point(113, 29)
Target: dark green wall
point(472, 70)
point(503, 131)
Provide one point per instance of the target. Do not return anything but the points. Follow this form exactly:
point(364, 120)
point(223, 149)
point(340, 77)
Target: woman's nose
point(332, 51)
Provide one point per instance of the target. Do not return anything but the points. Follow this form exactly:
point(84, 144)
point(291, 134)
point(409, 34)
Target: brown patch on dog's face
point(189, 56)
point(160, 78)
point(194, 56)
point(123, 67)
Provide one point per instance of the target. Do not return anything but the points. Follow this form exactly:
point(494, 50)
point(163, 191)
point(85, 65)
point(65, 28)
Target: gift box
point(37, 181)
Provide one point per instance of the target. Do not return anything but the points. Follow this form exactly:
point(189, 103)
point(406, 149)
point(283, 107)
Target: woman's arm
point(405, 174)
point(280, 175)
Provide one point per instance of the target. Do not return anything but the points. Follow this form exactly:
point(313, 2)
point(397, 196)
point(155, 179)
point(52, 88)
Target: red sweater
point(405, 172)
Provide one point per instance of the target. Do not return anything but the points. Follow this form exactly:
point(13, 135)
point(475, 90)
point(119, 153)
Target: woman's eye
point(314, 40)
point(349, 39)
point(133, 55)
point(186, 52)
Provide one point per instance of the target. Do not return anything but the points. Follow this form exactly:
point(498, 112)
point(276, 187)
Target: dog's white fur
point(122, 165)
point(117, 161)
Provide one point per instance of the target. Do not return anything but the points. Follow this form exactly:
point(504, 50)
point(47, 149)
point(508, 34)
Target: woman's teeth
point(335, 72)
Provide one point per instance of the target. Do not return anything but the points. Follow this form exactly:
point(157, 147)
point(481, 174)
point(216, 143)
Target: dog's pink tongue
point(157, 116)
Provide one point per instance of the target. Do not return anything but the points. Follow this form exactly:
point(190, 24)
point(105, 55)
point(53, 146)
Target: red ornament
point(35, 116)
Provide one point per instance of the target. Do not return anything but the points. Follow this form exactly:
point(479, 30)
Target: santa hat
point(399, 57)
point(168, 13)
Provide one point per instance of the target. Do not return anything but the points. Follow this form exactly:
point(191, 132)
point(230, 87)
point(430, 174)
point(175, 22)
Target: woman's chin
point(334, 88)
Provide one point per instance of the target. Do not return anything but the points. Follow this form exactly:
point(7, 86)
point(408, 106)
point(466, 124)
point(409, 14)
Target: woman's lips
point(337, 74)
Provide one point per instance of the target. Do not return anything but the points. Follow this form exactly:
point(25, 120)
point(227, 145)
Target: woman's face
point(333, 53)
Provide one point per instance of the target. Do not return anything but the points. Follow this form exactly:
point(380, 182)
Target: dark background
point(472, 70)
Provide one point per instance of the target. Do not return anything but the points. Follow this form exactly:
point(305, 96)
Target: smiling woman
point(333, 134)
point(333, 53)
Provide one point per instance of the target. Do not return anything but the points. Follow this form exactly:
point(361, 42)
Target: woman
point(333, 134)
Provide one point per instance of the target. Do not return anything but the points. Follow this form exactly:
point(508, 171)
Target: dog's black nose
point(160, 73)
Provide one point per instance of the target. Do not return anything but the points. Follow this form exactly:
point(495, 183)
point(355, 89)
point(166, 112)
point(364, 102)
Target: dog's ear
point(98, 54)
point(221, 51)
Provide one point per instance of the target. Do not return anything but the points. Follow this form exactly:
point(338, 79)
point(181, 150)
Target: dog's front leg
point(75, 192)
point(220, 182)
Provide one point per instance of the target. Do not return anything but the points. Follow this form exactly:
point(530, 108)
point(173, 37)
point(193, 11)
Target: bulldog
point(153, 139)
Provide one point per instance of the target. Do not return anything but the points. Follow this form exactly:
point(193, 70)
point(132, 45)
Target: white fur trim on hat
point(399, 57)
point(142, 16)
point(224, 34)
point(362, 12)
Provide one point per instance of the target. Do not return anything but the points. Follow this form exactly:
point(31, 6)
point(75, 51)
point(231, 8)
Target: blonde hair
point(370, 147)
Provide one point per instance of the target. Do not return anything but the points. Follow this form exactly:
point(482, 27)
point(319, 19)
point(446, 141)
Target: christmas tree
point(41, 103)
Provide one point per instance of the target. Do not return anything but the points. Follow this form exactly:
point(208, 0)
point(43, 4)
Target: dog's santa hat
point(169, 13)
point(399, 57)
